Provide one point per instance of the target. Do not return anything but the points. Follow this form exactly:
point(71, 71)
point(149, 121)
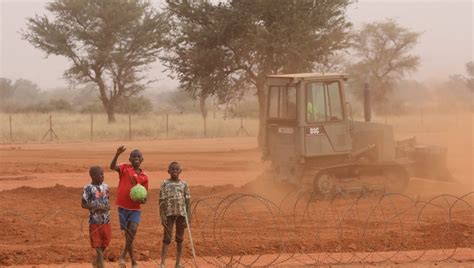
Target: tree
point(383, 57)
point(6, 88)
point(24, 89)
point(109, 43)
point(135, 105)
point(18, 95)
point(470, 73)
point(454, 93)
point(59, 105)
point(220, 49)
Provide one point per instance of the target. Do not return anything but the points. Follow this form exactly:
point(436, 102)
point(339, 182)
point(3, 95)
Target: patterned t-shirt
point(97, 194)
point(172, 193)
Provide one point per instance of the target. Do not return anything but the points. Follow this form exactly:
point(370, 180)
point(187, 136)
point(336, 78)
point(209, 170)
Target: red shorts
point(100, 235)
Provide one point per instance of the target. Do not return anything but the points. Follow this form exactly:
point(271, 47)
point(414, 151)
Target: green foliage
point(92, 108)
point(25, 89)
point(25, 96)
point(54, 105)
point(382, 51)
point(6, 88)
point(17, 96)
point(60, 105)
point(132, 105)
point(223, 49)
point(247, 107)
point(175, 101)
point(470, 73)
point(135, 105)
point(454, 93)
point(109, 43)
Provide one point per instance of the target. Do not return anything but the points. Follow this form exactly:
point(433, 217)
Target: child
point(129, 211)
point(95, 198)
point(175, 205)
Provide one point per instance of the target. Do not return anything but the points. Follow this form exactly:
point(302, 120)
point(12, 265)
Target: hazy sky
point(444, 47)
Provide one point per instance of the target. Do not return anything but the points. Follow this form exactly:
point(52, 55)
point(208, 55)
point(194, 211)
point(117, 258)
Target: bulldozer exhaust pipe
point(367, 110)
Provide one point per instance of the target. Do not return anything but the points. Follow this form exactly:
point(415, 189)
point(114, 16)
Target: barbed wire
point(388, 227)
point(246, 229)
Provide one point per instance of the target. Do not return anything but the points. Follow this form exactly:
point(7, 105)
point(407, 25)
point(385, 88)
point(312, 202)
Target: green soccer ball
point(138, 193)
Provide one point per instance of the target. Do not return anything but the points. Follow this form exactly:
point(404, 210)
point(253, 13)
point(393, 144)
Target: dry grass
point(31, 127)
point(422, 123)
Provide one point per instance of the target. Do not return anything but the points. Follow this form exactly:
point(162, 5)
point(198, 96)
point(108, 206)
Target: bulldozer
point(313, 142)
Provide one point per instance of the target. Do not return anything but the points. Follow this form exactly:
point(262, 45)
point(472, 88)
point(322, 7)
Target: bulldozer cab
point(306, 117)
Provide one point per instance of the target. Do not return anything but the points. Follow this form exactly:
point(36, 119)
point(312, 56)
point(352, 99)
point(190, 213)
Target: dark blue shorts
point(126, 215)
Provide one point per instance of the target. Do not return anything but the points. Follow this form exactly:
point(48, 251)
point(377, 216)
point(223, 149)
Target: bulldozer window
point(282, 102)
point(273, 102)
point(323, 102)
point(315, 104)
point(334, 102)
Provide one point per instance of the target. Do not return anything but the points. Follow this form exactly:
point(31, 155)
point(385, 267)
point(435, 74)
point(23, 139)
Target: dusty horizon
point(445, 46)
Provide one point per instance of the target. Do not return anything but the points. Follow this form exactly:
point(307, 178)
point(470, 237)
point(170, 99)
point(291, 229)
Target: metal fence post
point(242, 130)
point(92, 127)
point(422, 120)
point(50, 130)
point(167, 126)
point(11, 132)
point(457, 117)
point(129, 126)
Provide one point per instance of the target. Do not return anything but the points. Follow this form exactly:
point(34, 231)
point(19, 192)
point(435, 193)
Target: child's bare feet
point(121, 263)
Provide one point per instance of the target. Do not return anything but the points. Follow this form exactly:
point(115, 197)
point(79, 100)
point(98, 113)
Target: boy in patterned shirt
point(95, 198)
point(175, 204)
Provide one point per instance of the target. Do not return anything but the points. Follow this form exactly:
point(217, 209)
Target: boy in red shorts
point(129, 211)
point(95, 198)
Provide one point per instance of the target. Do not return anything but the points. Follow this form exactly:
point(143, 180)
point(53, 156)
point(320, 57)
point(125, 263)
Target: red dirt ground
point(43, 223)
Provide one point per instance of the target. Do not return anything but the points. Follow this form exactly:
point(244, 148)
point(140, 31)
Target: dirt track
point(205, 161)
point(46, 225)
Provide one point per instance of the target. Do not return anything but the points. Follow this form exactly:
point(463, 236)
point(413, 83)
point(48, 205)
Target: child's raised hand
point(121, 149)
